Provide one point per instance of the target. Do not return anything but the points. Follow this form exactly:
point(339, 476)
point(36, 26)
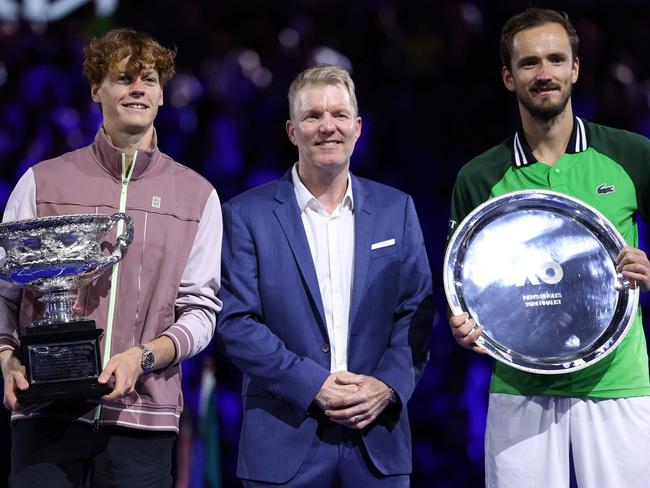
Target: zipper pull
point(96, 425)
point(125, 181)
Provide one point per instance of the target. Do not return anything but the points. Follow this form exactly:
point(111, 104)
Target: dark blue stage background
point(430, 94)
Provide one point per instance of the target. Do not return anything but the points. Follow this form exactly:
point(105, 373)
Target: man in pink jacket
point(158, 305)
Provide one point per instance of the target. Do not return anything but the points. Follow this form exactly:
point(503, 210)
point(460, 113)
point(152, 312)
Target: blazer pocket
point(383, 248)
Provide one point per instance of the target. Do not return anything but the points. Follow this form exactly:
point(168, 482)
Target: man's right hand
point(331, 390)
point(13, 373)
point(465, 331)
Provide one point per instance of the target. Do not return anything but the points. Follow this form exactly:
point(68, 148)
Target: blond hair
point(326, 74)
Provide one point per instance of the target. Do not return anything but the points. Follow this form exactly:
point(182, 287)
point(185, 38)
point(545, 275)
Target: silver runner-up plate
point(537, 270)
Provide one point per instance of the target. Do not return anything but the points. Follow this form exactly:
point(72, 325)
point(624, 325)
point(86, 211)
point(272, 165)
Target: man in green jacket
point(600, 413)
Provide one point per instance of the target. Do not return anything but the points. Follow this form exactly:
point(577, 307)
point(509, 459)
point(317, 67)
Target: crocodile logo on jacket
point(604, 189)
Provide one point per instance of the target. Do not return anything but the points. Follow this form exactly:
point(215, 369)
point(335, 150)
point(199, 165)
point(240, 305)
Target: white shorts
point(527, 442)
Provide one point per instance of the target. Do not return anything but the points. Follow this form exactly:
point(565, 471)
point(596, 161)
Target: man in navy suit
point(327, 307)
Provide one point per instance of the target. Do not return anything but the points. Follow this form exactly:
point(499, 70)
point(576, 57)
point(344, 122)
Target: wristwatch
point(148, 359)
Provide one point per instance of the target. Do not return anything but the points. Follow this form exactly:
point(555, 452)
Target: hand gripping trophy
point(54, 256)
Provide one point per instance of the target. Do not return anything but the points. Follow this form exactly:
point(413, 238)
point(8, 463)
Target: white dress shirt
point(331, 242)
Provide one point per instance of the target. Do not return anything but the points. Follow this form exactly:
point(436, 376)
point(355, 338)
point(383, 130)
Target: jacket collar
point(285, 191)
point(110, 157)
point(523, 156)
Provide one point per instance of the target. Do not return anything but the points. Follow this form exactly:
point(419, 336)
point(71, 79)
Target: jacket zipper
point(114, 275)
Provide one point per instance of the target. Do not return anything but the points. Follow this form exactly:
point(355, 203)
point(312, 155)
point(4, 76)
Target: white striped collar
point(523, 156)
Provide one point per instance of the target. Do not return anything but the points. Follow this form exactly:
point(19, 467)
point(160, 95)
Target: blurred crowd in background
point(428, 79)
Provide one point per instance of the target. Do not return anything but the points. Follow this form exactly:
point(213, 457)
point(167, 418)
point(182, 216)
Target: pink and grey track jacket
point(166, 284)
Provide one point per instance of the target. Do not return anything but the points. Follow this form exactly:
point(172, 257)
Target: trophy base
point(62, 361)
point(66, 390)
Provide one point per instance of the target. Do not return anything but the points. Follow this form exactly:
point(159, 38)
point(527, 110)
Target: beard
point(545, 112)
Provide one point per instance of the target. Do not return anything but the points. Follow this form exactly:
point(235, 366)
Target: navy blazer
point(272, 325)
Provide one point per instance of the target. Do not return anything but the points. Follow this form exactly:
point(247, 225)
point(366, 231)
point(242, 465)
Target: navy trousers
point(337, 459)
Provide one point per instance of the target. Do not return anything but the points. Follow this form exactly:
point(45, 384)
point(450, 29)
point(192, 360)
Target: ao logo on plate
point(549, 272)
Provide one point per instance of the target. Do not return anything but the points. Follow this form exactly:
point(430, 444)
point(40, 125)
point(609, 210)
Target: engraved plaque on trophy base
point(62, 361)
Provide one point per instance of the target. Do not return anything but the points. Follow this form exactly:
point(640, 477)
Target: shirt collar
point(110, 157)
point(523, 156)
point(305, 198)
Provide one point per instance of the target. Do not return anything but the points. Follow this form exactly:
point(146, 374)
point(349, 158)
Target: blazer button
point(325, 348)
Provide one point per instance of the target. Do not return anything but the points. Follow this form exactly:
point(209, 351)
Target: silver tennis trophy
point(54, 256)
point(537, 269)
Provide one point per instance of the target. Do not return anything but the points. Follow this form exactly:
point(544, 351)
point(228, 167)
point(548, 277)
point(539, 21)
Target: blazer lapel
point(364, 223)
point(288, 215)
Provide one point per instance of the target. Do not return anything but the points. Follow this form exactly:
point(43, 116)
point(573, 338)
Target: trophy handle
point(121, 243)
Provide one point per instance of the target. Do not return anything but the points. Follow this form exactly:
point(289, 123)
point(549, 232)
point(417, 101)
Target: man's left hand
point(359, 409)
point(125, 368)
point(634, 265)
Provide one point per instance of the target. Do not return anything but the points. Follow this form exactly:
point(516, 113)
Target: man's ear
point(508, 79)
point(358, 123)
point(575, 70)
point(162, 98)
point(291, 131)
point(94, 92)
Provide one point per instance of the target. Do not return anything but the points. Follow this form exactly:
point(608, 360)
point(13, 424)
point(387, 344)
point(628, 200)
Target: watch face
point(537, 270)
point(147, 359)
